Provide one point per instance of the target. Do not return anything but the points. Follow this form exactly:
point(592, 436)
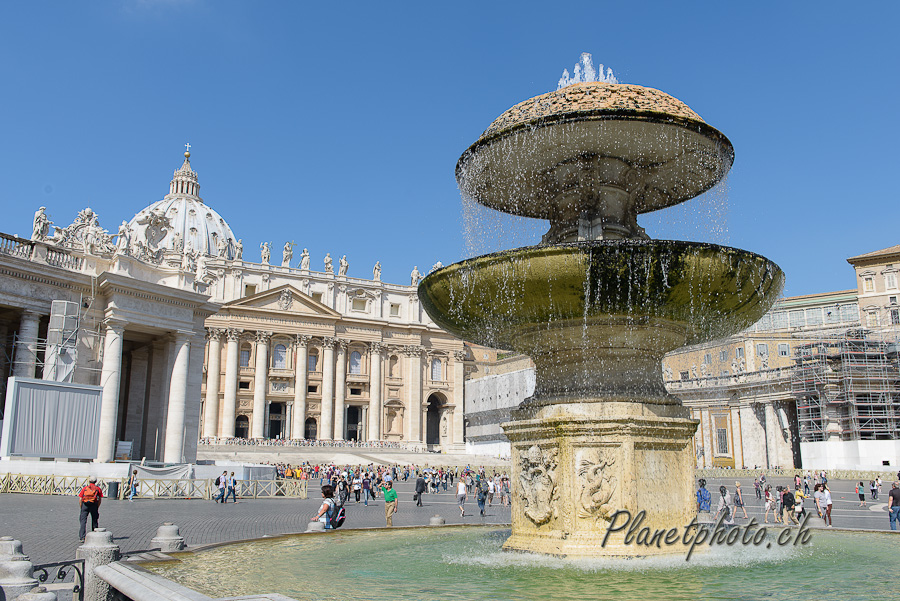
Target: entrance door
point(354, 415)
point(310, 429)
point(276, 420)
point(433, 421)
point(242, 427)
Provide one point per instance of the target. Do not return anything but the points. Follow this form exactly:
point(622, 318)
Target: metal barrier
point(152, 489)
point(66, 572)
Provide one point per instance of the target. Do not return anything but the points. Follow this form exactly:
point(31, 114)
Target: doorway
point(433, 420)
point(242, 427)
point(354, 417)
point(310, 429)
point(276, 420)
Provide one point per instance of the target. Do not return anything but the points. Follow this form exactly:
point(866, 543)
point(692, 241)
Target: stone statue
point(328, 267)
point(123, 243)
point(239, 249)
point(376, 271)
point(436, 266)
point(187, 261)
point(222, 247)
point(41, 225)
point(177, 244)
point(304, 260)
point(415, 276)
point(287, 254)
point(342, 266)
point(266, 252)
point(89, 238)
point(201, 266)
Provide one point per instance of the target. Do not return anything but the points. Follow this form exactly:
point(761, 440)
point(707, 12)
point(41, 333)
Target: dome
point(191, 224)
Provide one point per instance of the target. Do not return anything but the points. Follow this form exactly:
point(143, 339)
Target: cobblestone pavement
point(48, 525)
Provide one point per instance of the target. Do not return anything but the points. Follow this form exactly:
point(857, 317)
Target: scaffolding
point(847, 387)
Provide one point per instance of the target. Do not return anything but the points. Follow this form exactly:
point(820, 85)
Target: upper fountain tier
point(591, 156)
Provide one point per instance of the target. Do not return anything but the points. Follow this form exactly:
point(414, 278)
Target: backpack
point(90, 494)
point(704, 499)
point(219, 481)
point(338, 515)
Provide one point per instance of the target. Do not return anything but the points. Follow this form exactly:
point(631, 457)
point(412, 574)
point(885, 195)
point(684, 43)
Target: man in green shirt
point(390, 502)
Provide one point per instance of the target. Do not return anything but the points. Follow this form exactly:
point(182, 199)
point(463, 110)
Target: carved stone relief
point(538, 489)
point(595, 471)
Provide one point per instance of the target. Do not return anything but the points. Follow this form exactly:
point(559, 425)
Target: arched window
point(436, 370)
point(245, 355)
point(313, 361)
point(355, 363)
point(394, 367)
point(279, 359)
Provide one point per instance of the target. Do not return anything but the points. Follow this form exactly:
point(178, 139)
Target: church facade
point(190, 340)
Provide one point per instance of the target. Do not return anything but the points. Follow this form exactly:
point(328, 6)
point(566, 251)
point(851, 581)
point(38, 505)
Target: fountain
point(598, 304)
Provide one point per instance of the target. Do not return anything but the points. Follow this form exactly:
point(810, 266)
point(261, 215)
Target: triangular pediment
point(283, 299)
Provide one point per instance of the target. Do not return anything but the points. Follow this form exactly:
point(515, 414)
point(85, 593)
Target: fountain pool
point(468, 563)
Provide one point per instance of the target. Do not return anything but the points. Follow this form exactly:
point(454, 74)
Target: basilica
point(189, 340)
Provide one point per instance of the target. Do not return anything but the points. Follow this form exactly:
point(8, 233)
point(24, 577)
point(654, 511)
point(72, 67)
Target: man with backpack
point(89, 501)
point(221, 483)
point(481, 492)
point(704, 498)
point(331, 513)
point(420, 490)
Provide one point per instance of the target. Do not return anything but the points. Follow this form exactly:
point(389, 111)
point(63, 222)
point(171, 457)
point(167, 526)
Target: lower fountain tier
point(575, 464)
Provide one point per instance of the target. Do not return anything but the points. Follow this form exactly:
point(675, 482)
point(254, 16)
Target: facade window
point(245, 356)
point(684, 375)
point(832, 314)
point(249, 289)
point(739, 352)
point(722, 441)
point(850, 312)
point(796, 319)
point(313, 361)
point(779, 320)
point(895, 317)
point(279, 357)
point(395, 310)
point(892, 300)
point(813, 316)
point(436, 370)
point(762, 349)
point(355, 391)
point(312, 389)
point(317, 296)
point(723, 355)
point(358, 304)
point(871, 319)
point(784, 350)
point(244, 385)
point(890, 281)
point(765, 323)
point(707, 358)
point(868, 284)
point(355, 363)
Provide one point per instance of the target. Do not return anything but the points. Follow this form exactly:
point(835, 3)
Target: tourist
point(461, 495)
point(221, 483)
point(770, 504)
point(327, 508)
point(132, 486)
point(873, 489)
point(758, 488)
point(724, 508)
point(796, 481)
point(894, 505)
point(357, 486)
point(391, 503)
point(787, 504)
point(89, 499)
point(877, 487)
point(231, 489)
point(366, 488)
point(504, 491)
point(490, 491)
point(828, 504)
point(798, 505)
point(704, 498)
point(819, 500)
point(861, 492)
point(420, 490)
point(806, 483)
point(739, 499)
point(481, 492)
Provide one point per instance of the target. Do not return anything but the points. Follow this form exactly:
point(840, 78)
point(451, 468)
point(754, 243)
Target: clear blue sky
point(340, 127)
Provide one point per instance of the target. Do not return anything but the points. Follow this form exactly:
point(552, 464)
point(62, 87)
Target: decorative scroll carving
point(537, 477)
point(263, 337)
point(234, 334)
point(460, 355)
point(302, 340)
point(412, 350)
point(595, 471)
point(214, 333)
point(328, 342)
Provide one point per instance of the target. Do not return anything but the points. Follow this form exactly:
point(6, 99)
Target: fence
point(153, 489)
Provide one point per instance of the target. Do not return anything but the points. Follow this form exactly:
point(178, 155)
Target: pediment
point(284, 299)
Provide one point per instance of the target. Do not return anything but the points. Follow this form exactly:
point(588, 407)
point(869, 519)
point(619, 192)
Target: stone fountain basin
point(523, 298)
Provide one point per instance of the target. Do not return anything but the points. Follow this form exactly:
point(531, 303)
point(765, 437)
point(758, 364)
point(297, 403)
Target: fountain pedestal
point(576, 464)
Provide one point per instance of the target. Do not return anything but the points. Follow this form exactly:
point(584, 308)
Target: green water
point(451, 564)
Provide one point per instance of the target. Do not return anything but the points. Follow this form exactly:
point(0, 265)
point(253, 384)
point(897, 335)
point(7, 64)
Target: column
point(459, 395)
point(326, 416)
point(213, 375)
point(229, 405)
point(267, 433)
point(174, 448)
point(737, 446)
point(301, 385)
point(340, 391)
point(26, 345)
point(413, 393)
point(109, 397)
point(194, 405)
point(136, 397)
point(375, 386)
point(286, 426)
point(260, 382)
point(773, 428)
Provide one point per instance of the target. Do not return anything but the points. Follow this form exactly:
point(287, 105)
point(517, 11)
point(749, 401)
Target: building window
point(779, 320)
point(892, 300)
point(395, 310)
point(796, 319)
point(245, 356)
point(355, 391)
point(762, 349)
point(311, 389)
point(279, 358)
point(895, 317)
point(813, 316)
point(684, 375)
point(313, 361)
point(355, 363)
point(850, 312)
point(890, 281)
point(707, 358)
point(784, 350)
point(358, 304)
point(871, 319)
point(722, 441)
point(868, 284)
point(723, 355)
point(249, 289)
point(244, 385)
point(436, 370)
point(739, 352)
point(317, 296)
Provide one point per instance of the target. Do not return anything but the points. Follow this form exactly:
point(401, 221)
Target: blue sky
point(339, 128)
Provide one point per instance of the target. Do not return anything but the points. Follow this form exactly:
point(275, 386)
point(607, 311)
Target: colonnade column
point(26, 344)
point(213, 374)
point(110, 373)
point(414, 393)
point(298, 422)
point(229, 404)
point(772, 428)
point(174, 449)
point(459, 392)
point(340, 389)
point(260, 383)
point(287, 424)
point(326, 415)
point(375, 390)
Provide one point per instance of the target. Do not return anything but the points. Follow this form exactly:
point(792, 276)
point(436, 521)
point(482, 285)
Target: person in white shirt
point(461, 496)
point(490, 491)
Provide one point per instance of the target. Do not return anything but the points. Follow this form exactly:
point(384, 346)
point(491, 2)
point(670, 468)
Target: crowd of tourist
point(286, 442)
